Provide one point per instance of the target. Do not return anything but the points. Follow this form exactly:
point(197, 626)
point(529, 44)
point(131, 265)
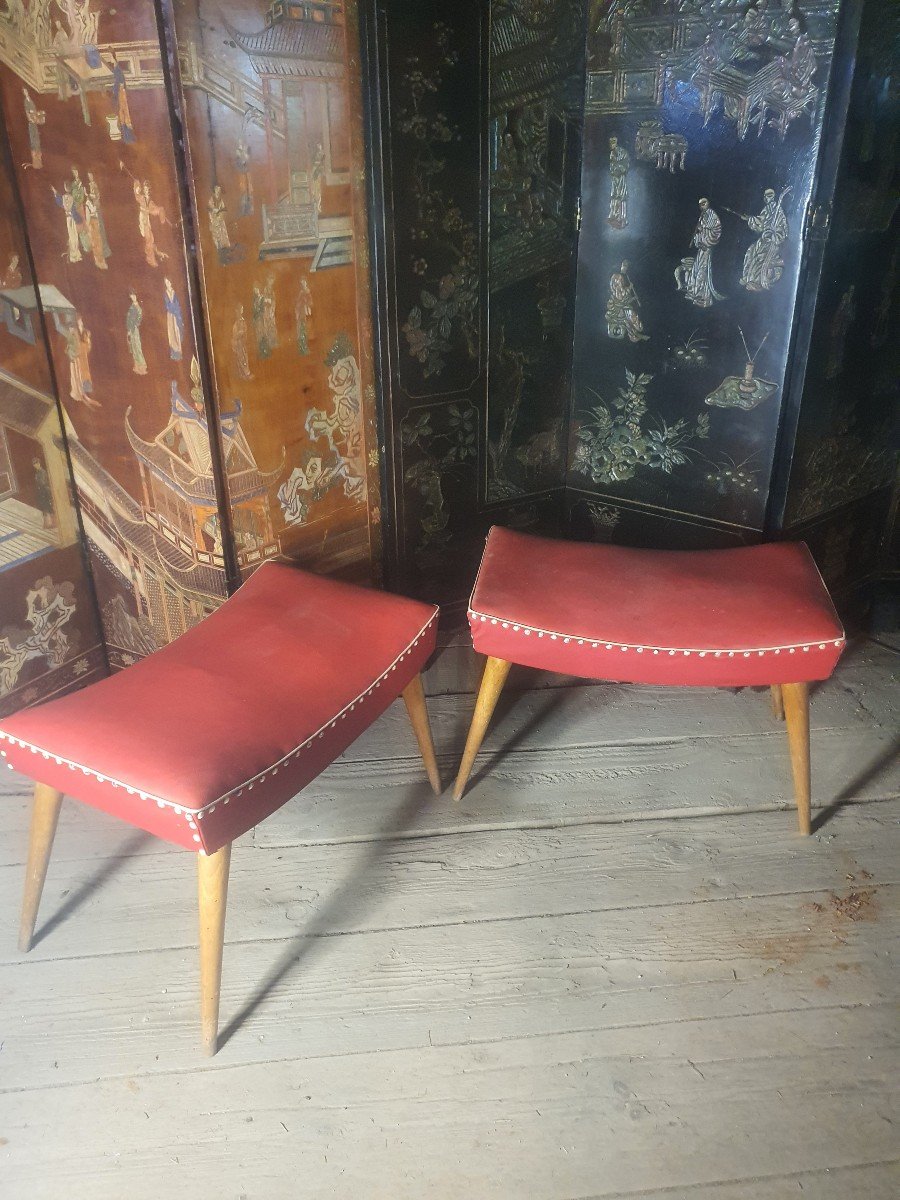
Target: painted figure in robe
point(245, 179)
point(96, 240)
point(67, 204)
point(696, 279)
point(12, 277)
point(79, 195)
point(35, 118)
point(217, 224)
point(147, 210)
point(133, 319)
point(239, 344)
point(618, 192)
point(303, 314)
point(258, 310)
point(78, 349)
point(271, 325)
point(93, 192)
point(763, 263)
point(120, 102)
point(174, 322)
point(317, 176)
point(622, 318)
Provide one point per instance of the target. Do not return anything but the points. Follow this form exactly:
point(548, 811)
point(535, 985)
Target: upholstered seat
point(752, 615)
point(202, 740)
point(728, 618)
point(205, 738)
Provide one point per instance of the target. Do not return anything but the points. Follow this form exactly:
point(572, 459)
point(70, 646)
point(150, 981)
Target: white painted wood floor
point(614, 970)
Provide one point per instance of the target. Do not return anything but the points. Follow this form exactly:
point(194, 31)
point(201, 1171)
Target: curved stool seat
point(755, 615)
point(202, 740)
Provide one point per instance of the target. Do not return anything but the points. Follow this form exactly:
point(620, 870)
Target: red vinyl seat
point(715, 618)
point(202, 740)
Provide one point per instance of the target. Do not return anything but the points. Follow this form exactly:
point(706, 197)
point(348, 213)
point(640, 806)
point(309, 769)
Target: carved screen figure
point(763, 263)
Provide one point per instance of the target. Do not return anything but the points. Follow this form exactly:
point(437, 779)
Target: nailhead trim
point(248, 785)
point(761, 651)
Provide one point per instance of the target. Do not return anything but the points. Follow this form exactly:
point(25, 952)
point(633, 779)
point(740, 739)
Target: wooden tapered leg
point(212, 879)
point(414, 699)
point(492, 681)
point(777, 701)
point(796, 712)
point(44, 815)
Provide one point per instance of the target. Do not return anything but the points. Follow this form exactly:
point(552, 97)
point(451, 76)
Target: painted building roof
point(291, 47)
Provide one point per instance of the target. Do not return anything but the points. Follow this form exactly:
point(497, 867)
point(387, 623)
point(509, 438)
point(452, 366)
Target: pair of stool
point(204, 739)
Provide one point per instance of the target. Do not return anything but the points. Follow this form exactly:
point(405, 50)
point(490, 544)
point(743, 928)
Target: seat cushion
point(729, 618)
point(201, 740)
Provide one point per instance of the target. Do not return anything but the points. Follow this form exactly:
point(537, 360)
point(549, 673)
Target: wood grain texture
point(212, 896)
point(796, 715)
point(44, 816)
point(492, 681)
point(574, 987)
point(414, 699)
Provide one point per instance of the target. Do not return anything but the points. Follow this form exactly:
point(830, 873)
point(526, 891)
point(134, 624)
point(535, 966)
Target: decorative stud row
point(600, 644)
point(192, 815)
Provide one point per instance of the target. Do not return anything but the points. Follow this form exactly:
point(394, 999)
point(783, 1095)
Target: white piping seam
point(191, 813)
point(597, 643)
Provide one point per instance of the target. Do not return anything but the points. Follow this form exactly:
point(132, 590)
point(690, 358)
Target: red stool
point(202, 740)
point(709, 618)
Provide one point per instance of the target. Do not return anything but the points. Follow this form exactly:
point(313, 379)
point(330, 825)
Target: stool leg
point(44, 815)
point(414, 699)
point(212, 879)
point(492, 681)
point(777, 702)
point(796, 711)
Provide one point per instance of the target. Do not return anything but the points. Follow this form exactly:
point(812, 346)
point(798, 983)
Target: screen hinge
point(816, 222)
point(578, 214)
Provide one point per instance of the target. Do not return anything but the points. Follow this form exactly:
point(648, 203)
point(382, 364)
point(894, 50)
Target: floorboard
point(614, 970)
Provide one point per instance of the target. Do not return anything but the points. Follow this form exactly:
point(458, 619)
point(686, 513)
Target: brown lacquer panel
point(272, 102)
point(88, 122)
point(49, 633)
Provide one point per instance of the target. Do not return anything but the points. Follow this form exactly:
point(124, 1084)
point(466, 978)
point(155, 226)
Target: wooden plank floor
point(613, 970)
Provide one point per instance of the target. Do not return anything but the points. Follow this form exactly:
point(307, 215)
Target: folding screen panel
point(49, 633)
point(476, 173)
point(272, 108)
point(702, 129)
point(87, 117)
point(844, 459)
point(193, 179)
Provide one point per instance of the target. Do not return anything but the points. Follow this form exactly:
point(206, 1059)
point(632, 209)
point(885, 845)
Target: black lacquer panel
point(428, 114)
point(435, 195)
point(478, 124)
point(700, 146)
point(846, 443)
point(536, 94)
point(660, 400)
